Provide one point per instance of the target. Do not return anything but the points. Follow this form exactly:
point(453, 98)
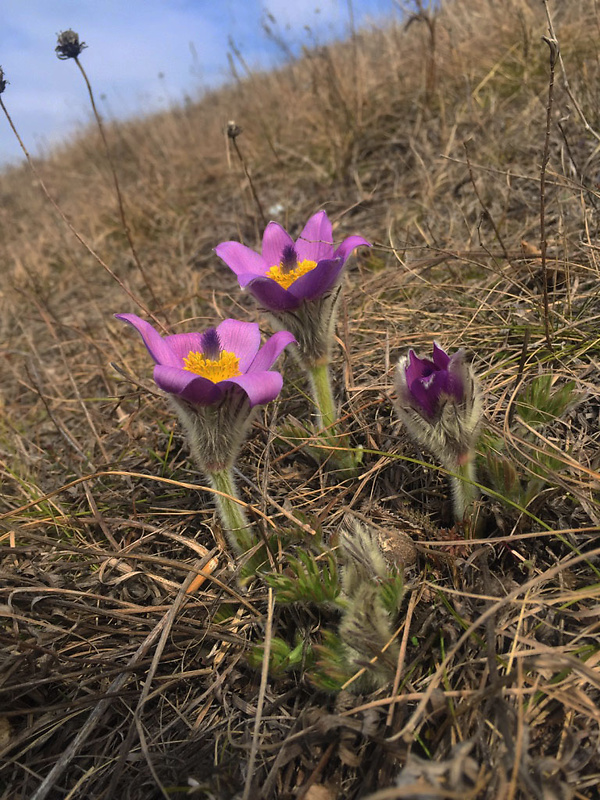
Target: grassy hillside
point(470, 159)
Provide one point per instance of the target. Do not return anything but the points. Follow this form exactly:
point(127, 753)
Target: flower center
point(285, 276)
point(225, 366)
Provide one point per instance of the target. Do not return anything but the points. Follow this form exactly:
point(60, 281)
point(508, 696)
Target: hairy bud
point(439, 401)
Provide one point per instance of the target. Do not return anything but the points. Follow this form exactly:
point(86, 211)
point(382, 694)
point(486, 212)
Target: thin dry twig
point(118, 193)
point(261, 695)
point(554, 53)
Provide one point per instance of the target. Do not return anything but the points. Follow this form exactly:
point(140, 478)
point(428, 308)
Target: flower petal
point(428, 392)
point(348, 245)
point(271, 351)
point(417, 368)
point(181, 344)
point(316, 240)
point(241, 338)
point(401, 376)
point(241, 259)
point(441, 359)
point(271, 295)
point(193, 388)
point(275, 239)
point(159, 348)
point(318, 281)
point(261, 387)
point(458, 376)
point(408, 374)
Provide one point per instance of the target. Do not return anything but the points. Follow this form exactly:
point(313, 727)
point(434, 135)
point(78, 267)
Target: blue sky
point(142, 54)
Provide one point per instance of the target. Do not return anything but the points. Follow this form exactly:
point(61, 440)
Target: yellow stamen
point(286, 279)
point(225, 367)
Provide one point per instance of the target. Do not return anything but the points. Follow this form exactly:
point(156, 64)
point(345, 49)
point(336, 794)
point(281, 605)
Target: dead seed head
point(69, 45)
point(233, 129)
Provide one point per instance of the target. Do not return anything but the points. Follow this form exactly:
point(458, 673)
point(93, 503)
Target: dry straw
point(117, 681)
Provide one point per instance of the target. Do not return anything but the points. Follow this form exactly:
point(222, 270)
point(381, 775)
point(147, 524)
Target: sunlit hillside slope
point(465, 147)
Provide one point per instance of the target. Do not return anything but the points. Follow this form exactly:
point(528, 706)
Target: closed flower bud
point(439, 401)
point(362, 558)
point(368, 620)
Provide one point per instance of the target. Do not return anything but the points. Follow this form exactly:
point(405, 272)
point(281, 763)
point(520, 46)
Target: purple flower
point(289, 273)
point(427, 385)
point(201, 368)
point(439, 401)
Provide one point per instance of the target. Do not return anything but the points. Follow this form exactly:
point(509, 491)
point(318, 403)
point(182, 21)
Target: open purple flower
point(299, 282)
point(203, 367)
point(215, 380)
point(288, 273)
point(427, 385)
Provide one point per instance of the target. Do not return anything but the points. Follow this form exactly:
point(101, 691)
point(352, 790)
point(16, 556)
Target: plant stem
point(327, 418)
point(323, 397)
point(464, 492)
point(553, 45)
point(235, 522)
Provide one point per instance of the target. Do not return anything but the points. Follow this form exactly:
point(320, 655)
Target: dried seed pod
point(397, 547)
point(69, 45)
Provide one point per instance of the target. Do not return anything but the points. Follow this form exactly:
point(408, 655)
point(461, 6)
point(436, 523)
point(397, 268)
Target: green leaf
point(541, 404)
point(331, 669)
point(308, 578)
point(282, 656)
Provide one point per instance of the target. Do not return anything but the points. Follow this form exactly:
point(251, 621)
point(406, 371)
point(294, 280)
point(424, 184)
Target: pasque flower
point(288, 273)
point(299, 283)
point(215, 380)
point(427, 385)
point(439, 401)
point(203, 368)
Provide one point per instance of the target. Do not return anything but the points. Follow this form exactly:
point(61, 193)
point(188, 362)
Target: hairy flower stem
point(464, 491)
point(239, 531)
point(323, 397)
point(327, 417)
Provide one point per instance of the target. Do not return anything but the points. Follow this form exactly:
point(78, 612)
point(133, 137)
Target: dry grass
point(433, 153)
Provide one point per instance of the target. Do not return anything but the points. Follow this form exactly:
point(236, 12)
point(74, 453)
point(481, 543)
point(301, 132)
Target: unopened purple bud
point(429, 384)
point(211, 344)
point(440, 403)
